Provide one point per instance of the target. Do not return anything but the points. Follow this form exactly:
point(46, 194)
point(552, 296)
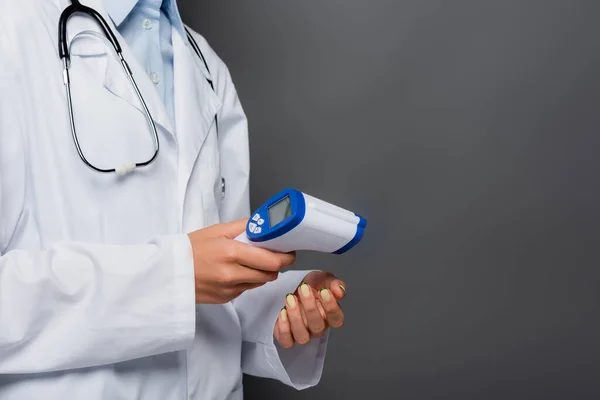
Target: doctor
point(129, 286)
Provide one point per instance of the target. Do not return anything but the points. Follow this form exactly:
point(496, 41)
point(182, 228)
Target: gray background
point(467, 132)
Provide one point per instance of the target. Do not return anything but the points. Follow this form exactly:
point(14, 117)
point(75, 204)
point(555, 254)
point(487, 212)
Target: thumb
point(232, 229)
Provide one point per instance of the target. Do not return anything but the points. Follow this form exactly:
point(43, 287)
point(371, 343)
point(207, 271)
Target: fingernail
point(325, 295)
point(291, 300)
point(343, 288)
point(305, 290)
point(283, 315)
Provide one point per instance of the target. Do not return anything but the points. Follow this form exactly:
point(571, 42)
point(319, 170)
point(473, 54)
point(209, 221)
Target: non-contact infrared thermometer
point(292, 220)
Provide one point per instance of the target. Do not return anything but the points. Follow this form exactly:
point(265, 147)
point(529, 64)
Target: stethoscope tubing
point(64, 54)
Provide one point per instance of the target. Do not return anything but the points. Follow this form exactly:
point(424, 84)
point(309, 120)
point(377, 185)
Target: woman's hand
point(311, 310)
point(225, 268)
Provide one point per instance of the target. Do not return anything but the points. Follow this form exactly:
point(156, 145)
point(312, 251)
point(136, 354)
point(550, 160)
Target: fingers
point(257, 258)
point(322, 279)
point(299, 331)
point(232, 229)
point(314, 319)
point(242, 287)
point(335, 316)
point(322, 311)
point(336, 286)
point(284, 330)
point(250, 256)
point(245, 275)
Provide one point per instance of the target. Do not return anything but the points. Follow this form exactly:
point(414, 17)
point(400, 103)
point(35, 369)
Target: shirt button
point(147, 24)
point(154, 78)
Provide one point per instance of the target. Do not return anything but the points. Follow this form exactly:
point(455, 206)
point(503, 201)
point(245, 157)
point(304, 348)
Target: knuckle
point(284, 329)
point(231, 251)
point(232, 293)
point(304, 339)
point(291, 258)
point(277, 263)
point(220, 278)
point(225, 276)
point(288, 259)
point(337, 323)
point(318, 330)
point(319, 333)
point(331, 307)
point(223, 298)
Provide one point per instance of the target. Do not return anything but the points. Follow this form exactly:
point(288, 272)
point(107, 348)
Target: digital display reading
point(280, 211)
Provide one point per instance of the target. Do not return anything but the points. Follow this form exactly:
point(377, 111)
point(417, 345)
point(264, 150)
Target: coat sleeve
point(258, 309)
point(74, 305)
point(300, 366)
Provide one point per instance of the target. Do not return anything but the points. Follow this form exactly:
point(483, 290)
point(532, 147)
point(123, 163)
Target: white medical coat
point(96, 271)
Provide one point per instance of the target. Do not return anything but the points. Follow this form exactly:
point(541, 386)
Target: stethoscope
point(63, 51)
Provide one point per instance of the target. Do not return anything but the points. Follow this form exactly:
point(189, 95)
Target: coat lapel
point(115, 79)
point(196, 105)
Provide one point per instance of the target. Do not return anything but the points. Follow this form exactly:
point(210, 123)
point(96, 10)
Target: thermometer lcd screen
point(280, 211)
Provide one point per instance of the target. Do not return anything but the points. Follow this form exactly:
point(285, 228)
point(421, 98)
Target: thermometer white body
point(292, 220)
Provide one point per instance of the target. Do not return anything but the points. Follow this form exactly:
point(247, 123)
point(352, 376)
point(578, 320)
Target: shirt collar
point(172, 12)
point(118, 10)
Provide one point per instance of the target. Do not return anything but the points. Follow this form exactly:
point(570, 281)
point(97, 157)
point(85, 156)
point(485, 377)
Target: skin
point(311, 310)
point(225, 268)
